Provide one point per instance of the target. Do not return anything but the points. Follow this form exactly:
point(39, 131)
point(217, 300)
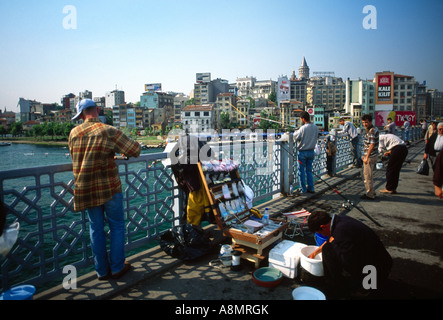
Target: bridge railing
point(53, 236)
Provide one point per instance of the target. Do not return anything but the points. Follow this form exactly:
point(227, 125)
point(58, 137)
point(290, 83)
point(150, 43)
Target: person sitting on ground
point(351, 246)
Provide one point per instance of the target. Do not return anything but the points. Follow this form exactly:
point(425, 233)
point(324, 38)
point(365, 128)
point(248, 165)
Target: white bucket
point(313, 266)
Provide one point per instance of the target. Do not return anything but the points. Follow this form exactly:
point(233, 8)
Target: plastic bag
point(317, 149)
point(185, 242)
point(8, 238)
point(423, 168)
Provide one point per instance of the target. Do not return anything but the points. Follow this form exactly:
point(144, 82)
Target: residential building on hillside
point(206, 92)
point(329, 92)
point(198, 118)
point(434, 103)
point(419, 102)
point(114, 98)
point(360, 98)
point(404, 90)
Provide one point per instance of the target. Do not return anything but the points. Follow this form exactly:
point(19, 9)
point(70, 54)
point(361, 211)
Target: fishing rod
point(261, 118)
point(349, 203)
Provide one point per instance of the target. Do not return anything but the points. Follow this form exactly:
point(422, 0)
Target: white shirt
point(389, 141)
point(350, 129)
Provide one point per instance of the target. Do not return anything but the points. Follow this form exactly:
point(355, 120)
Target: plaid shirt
point(93, 146)
point(371, 137)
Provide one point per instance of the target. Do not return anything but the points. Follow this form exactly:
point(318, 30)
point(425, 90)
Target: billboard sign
point(283, 90)
point(153, 87)
point(398, 116)
point(384, 84)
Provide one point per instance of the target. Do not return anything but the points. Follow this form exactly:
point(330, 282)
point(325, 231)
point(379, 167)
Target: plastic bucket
point(320, 239)
point(24, 292)
point(313, 266)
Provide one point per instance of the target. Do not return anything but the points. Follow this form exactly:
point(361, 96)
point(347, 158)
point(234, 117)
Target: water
point(59, 219)
point(18, 156)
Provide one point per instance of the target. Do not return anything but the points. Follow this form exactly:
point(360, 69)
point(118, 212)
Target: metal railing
point(52, 235)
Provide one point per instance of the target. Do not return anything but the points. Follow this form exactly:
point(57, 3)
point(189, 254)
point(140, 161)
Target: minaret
point(303, 70)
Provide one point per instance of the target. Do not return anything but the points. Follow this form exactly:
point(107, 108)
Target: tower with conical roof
point(303, 70)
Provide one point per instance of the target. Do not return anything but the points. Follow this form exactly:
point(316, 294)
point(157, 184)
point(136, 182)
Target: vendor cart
point(233, 215)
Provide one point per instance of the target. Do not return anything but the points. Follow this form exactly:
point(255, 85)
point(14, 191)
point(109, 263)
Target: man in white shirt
point(305, 139)
point(397, 151)
point(351, 130)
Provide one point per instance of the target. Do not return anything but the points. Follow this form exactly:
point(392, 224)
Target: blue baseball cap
point(82, 105)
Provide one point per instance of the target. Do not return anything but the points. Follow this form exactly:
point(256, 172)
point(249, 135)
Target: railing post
point(284, 176)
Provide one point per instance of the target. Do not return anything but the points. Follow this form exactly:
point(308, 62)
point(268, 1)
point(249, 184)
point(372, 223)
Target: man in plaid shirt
point(98, 188)
point(370, 153)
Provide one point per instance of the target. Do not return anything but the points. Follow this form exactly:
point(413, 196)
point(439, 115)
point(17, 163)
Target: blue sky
point(130, 43)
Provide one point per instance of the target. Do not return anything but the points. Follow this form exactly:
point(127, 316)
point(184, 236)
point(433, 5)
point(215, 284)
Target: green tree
point(265, 124)
point(224, 120)
point(273, 97)
point(2, 130)
point(16, 128)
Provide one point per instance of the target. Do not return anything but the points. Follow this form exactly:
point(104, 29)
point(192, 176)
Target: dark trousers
point(395, 163)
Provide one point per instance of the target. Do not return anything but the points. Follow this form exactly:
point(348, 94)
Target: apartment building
point(329, 92)
point(360, 98)
point(198, 118)
point(114, 98)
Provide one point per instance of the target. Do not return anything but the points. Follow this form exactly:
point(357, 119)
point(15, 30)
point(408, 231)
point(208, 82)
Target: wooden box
point(233, 215)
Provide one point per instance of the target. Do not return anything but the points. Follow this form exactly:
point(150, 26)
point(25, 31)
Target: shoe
point(365, 197)
point(387, 191)
point(310, 191)
point(106, 277)
point(120, 274)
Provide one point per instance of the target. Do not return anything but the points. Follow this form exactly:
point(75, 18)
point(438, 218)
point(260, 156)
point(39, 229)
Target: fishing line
point(348, 204)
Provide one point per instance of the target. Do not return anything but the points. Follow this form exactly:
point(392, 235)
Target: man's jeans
point(305, 169)
point(113, 212)
point(356, 159)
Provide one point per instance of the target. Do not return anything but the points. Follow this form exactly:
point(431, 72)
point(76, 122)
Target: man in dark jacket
point(351, 247)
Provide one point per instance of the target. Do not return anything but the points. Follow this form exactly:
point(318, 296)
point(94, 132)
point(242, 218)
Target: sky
point(50, 48)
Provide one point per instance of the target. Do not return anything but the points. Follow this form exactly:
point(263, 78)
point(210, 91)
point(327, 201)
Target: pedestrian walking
point(98, 188)
point(351, 130)
point(370, 153)
point(394, 148)
point(305, 140)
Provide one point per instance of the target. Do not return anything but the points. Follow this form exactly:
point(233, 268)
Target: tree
point(2, 130)
point(273, 97)
point(16, 128)
point(265, 124)
point(224, 120)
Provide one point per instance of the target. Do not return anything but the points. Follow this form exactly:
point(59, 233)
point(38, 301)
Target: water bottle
point(266, 216)
point(291, 189)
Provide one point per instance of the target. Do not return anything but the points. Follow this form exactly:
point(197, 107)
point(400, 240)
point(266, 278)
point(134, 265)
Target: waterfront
point(40, 199)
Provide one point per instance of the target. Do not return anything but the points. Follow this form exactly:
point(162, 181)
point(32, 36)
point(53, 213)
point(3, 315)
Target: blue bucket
point(320, 239)
point(25, 292)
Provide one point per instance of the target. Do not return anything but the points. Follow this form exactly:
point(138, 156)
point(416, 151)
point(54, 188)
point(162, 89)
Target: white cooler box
point(285, 257)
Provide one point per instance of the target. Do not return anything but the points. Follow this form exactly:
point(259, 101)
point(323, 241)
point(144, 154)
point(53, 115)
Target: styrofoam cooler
point(285, 256)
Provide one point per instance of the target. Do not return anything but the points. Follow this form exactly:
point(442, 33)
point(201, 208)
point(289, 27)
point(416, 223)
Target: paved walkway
point(412, 231)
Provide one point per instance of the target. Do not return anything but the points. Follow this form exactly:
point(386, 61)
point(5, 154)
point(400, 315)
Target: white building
point(360, 97)
point(114, 98)
point(198, 118)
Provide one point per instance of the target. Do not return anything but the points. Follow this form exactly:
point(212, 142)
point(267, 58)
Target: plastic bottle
point(266, 216)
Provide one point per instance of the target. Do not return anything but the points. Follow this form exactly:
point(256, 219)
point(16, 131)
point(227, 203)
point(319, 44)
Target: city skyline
point(52, 48)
